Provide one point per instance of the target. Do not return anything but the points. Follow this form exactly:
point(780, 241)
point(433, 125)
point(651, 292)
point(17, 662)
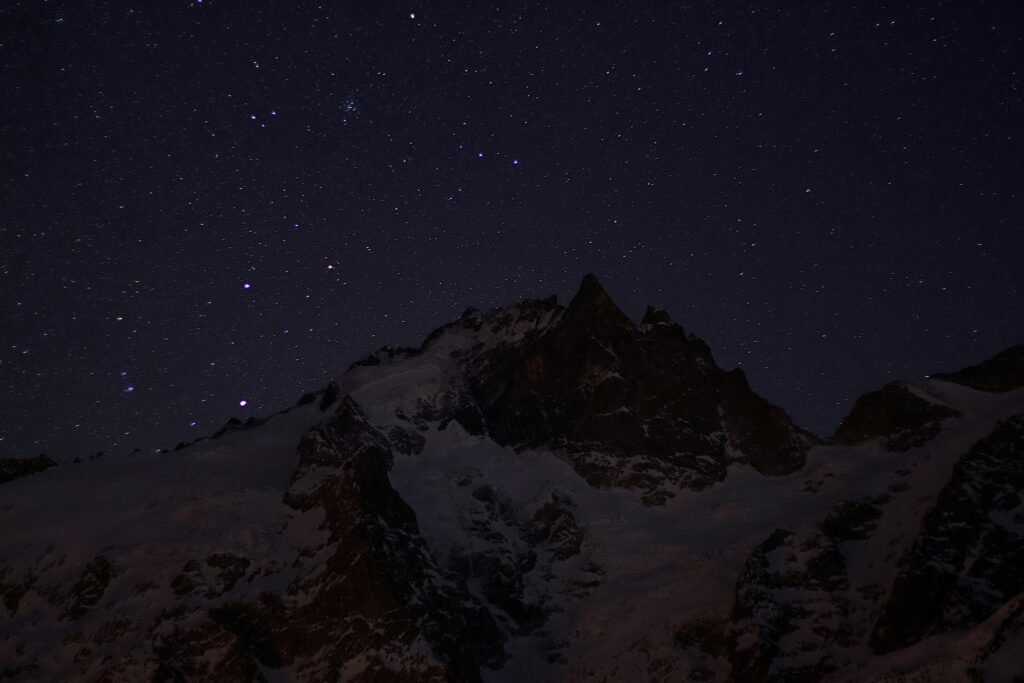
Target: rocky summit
point(537, 492)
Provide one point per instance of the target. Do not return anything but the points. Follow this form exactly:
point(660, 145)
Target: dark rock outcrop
point(850, 521)
point(234, 424)
point(330, 395)
point(792, 612)
point(88, 591)
point(642, 407)
point(900, 419)
point(306, 399)
point(369, 599)
point(1002, 372)
point(15, 468)
point(969, 557)
point(511, 555)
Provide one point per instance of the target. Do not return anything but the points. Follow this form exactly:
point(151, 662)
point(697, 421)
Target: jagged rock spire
point(593, 308)
point(654, 315)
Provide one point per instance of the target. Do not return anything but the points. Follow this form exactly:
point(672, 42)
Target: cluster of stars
point(826, 194)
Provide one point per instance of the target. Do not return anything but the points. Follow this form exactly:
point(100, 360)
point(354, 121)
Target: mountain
point(537, 492)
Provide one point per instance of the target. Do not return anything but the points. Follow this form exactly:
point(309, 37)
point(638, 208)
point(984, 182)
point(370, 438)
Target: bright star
point(243, 403)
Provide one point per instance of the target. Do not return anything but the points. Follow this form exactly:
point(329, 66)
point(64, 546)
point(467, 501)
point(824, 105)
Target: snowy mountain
point(537, 492)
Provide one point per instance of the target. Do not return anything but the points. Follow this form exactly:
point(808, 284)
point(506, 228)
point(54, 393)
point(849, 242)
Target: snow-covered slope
point(543, 493)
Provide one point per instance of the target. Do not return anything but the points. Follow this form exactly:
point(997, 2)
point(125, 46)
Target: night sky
point(204, 203)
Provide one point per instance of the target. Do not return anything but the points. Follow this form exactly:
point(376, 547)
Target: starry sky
point(205, 203)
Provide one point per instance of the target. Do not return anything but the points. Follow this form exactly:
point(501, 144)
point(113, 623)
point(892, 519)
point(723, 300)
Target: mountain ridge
point(544, 491)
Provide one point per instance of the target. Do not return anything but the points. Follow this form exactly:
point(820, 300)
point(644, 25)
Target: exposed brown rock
point(1002, 372)
point(894, 415)
point(969, 557)
point(15, 468)
point(642, 407)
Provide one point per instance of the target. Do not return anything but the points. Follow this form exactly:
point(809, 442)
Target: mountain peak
point(896, 415)
point(593, 304)
point(1002, 372)
point(590, 285)
point(656, 316)
point(458, 499)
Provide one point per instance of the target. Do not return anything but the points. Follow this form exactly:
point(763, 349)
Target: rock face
point(366, 601)
point(642, 407)
point(536, 492)
point(15, 468)
point(795, 615)
point(379, 564)
point(813, 571)
point(885, 573)
point(895, 415)
point(1002, 372)
point(968, 560)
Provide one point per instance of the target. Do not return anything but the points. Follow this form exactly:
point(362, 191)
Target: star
point(388, 186)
